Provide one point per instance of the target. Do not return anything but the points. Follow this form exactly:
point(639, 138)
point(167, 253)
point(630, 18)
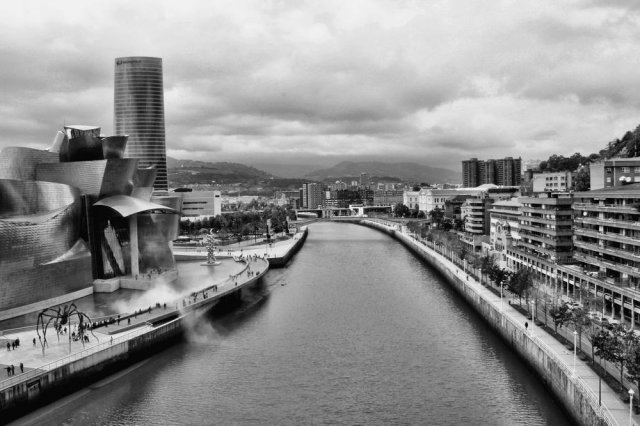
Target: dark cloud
point(334, 79)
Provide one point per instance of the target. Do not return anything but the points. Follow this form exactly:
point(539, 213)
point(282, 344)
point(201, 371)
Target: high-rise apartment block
point(139, 113)
point(503, 172)
point(364, 180)
point(311, 195)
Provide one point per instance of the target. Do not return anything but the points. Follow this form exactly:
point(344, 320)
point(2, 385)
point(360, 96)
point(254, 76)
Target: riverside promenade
point(573, 381)
point(28, 372)
point(277, 253)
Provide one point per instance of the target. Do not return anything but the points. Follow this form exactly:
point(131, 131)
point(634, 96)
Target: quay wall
point(280, 262)
point(47, 385)
point(576, 399)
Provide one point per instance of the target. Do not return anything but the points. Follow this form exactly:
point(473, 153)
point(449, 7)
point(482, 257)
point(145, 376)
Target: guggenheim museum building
point(77, 214)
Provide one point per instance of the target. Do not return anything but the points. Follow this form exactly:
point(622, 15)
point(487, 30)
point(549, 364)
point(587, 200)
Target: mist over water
point(356, 330)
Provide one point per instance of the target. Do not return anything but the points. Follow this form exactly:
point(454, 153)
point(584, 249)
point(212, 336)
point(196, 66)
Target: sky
point(317, 82)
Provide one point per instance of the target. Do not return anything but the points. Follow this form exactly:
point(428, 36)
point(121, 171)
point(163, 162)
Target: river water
point(356, 330)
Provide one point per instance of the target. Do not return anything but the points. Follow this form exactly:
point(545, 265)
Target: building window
point(625, 169)
point(607, 170)
point(636, 169)
point(608, 180)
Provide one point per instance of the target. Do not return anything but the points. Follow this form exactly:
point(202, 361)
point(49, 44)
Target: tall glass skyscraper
point(139, 112)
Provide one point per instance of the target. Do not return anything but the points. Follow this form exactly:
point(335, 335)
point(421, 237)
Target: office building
point(502, 172)
point(139, 113)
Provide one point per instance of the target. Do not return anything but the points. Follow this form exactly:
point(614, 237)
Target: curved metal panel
point(114, 146)
point(20, 163)
point(98, 178)
point(126, 206)
point(85, 147)
point(38, 222)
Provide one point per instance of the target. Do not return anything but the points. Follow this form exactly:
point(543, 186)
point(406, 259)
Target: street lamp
point(631, 407)
point(575, 334)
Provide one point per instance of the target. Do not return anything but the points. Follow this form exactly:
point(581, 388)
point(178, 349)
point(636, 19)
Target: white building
point(552, 182)
point(201, 203)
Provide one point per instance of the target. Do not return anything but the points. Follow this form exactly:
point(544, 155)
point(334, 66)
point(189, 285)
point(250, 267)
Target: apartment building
point(546, 226)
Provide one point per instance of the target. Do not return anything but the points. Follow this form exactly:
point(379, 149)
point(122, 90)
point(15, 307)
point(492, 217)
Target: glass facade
point(139, 112)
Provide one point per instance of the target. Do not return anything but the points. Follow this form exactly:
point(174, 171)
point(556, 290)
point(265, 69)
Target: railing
point(37, 372)
point(602, 410)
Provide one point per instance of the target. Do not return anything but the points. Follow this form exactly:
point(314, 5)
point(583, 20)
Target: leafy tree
point(623, 342)
point(582, 179)
point(437, 216)
point(560, 315)
point(400, 210)
point(487, 263)
point(520, 283)
point(633, 363)
point(581, 321)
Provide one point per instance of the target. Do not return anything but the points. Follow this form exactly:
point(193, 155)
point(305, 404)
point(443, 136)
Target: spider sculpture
point(61, 317)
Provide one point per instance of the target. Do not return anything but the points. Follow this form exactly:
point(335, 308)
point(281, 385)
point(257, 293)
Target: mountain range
point(406, 172)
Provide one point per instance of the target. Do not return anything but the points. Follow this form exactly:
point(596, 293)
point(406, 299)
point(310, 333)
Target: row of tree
point(241, 224)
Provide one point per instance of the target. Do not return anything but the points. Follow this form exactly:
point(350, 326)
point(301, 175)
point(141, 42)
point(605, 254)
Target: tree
point(582, 179)
point(560, 315)
point(520, 283)
point(487, 263)
point(623, 341)
point(580, 320)
point(633, 363)
point(400, 210)
point(437, 216)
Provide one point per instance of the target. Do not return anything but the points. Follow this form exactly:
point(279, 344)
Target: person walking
point(21, 367)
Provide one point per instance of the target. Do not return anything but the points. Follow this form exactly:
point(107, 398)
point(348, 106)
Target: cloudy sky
point(315, 82)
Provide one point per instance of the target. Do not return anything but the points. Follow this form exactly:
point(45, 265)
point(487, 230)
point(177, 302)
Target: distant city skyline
point(316, 83)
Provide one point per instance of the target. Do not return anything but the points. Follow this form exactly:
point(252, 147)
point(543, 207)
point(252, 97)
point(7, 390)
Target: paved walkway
point(60, 350)
point(276, 249)
point(610, 399)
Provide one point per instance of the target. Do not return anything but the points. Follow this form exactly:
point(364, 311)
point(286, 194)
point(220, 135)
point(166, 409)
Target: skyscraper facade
point(139, 112)
point(504, 172)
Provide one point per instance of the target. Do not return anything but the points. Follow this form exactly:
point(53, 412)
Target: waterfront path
point(278, 249)
point(616, 411)
point(109, 331)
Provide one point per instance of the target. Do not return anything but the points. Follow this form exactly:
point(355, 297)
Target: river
point(356, 330)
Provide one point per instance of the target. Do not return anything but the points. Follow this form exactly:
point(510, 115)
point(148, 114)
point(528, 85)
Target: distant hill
point(408, 172)
point(184, 172)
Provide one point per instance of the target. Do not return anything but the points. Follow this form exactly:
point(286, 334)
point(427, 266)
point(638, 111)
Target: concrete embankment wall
point(280, 262)
point(59, 380)
point(555, 376)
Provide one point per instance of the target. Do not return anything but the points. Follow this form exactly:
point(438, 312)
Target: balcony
point(557, 210)
point(547, 231)
point(536, 219)
point(612, 208)
point(616, 223)
point(550, 241)
point(547, 252)
point(616, 252)
point(598, 261)
point(607, 236)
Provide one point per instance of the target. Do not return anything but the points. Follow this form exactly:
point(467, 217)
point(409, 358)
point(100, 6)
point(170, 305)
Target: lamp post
point(575, 334)
point(631, 407)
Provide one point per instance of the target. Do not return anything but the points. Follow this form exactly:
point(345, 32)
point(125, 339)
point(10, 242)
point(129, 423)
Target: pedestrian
point(21, 367)
point(13, 369)
point(129, 321)
point(8, 370)
point(18, 342)
point(8, 346)
point(34, 341)
point(526, 325)
point(111, 343)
